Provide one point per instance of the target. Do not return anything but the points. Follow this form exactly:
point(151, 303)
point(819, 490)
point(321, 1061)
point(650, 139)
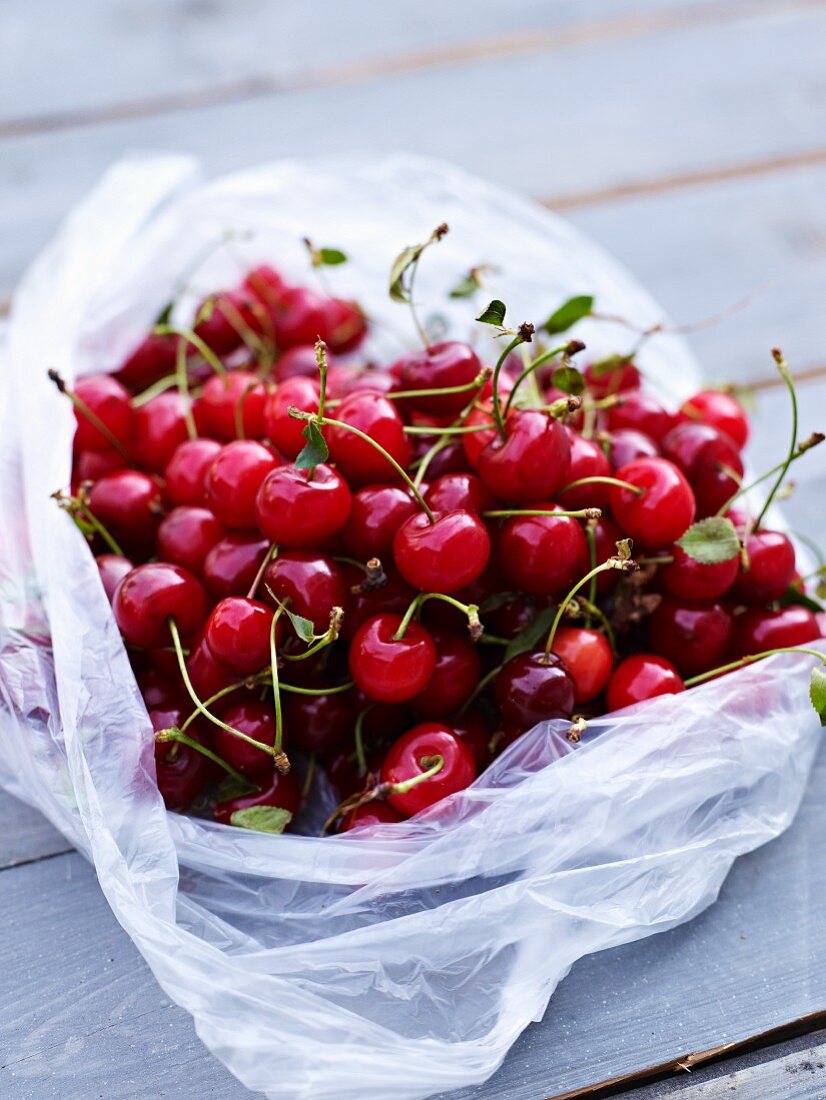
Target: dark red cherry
point(299, 362)
point(620, 378)
point(223, 318)
point(692, 580)
point(627, 445)
point(345, 325)
point(543, 555)
point(159, 692)
point(388, 669)
point(443, 556)
point(533, 687)
point(283, 430)
point(267, 285)
point(310, 584)
point(301, 317)
point(302, 509)
point(238, 634)
point(641, 677)
point(721, 411)
point(370, 813)
point(233, 563)
point(282, 792)
point(771, 567)
point(364, 601)
point(449, 460)
point(112, 568)
point(451, 492)
point(234, 479)
point(705, 456)
point(473, 730)
point(344, 381)
point(759, 629)
point(239, 394)
point(207, 675)
point(91, 465)
point(256, 720)
point(187, 535)
point(606, 537)
point(453, 680)
point(662, 512)
point(473, 443)
point(587, 656)
point(440, 366)
point(159, 428)
point(186, 471)
point(587, 460)
point(152, 359)
point(150, 595)
point(695, 637)
point(531, 463)
point(641, 413)
point(378, 418)
point(319, 723)
point(109, 401)
point(414, 753)
point(180, 770)
point(129, 504)
point(377, 512)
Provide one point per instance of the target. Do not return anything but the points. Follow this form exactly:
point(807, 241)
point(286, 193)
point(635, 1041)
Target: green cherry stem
point(182, 382)
point(168, 382)
point(337, 690)
point(281, 760)
point(462, 429)
point(91, 416)
point(477, 383)
point(695, 680)
point(533, 366)
point(203, 349)
point(358, 736)
point(591, 539)
point(433, 764)
point(321, 360)
point(175, 734)
point(471, 610)
point(270, 555)
point(626, 565)
point(600, 480)
point(522, 337)
point(802, 448)
point(582, 513)
point(785, 374)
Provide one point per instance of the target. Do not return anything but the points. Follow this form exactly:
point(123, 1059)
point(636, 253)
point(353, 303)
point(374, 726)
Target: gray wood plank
point(25, 835)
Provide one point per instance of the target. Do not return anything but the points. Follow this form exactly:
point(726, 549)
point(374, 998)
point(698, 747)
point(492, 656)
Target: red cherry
point(300, 362)
point(238, 634)
point(296, 510)
point(387, 669)
point(256, 720)
point(695, 637)
point(533, 687)
point(543, 555)
point(159, 427)
point(223, 316)
point(221, 399)
point(129, 504)
point(151, 360)
point(641, 413)
point(149, 596)
point(440, 366)
point(112, 568)
point(759, 629)
point(283, 792)
point(234, 479)
point(692, 580)
point(533, 461)
point(587, 460)
point(606, 537)
point(92, 465)
point(310, 584)
point(267, 285)
point(109, 401)
point(378, 418)
point(473, 730)
point(233, 563)
point(662, 512)
point(180, 770)
point(186, 536)
point(473, 443)
point(158, 691)
point(449, 460)
point(344, 381)
point(207, 675)
point(319, 723)
point(442, 556)
point(457, 672)
point(186, 471)
point(377, 512)
point(300, 317)
point(345, 326)
point(413, 754)
point(642, 677)
point(705, 456)
point(370, 813)
point(771, 567)
point(452, 492)
point(394, 596)
point(721, 411)
point(587, 656)
point(627, 445)
point(619, 379)
point(283, 430)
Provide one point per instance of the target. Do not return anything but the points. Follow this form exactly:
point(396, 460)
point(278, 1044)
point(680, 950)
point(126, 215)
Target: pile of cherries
point(392, 572)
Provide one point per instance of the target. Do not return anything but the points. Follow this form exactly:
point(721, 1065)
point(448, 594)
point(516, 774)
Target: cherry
point(267, 285)
point(618, 379)
point(152, 359)
point(414, 754)
point(283, 430)
point(129, 504)
point(319, 723)
point(473, 443)
point(452, 492)
point(186, 536)
point(310, 584)
point(692, 580)
point(759, 629)
point(587, 656)
point(301, 509)
point(344, 381)
point(282, 792)
point(393, 596)
point(299, 362)
point(587, 460)
point(662, 512)
point(532, 462)
point(705, 456)
point(357, 459)
point(207, 675)
point(639, 412)
point(159, 427)
point(695, 637)
point(442, 556)
point(150, 595)
point(221, 400)
point(238, 634)
point(256, 720)
point(721, 411)
point(374, 812)
point(456, 675)
point(473, 730)
point(440, 366)
point(301, 317)
point(158, 691)
point(642, 677)
point(109, 401)
point(91, 465)
point(377, 512)
point(345, 325)
point(606, 537)
point(186, 471)
point(451, 459)
point(390, 669)
point(232, 564)
point(543, 555)
point(112, 568)
point(219, 324)
point(180, 770)
point(533, 687)
point(234, 479)
point(771, 566)
point(627, 445)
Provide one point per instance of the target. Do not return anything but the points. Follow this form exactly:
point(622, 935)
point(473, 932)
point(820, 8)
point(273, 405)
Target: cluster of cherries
point(393, 572)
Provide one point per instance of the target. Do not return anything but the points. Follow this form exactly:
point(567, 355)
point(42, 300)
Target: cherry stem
point(540, 361)
point(168, 382)
point(358, 736)
point(250, 681)
point(583, 513)
point(203, 349)
point(814, 439)
point(79, 510)
point(497, 370)
point(89, 415)
point(322, 641)
point(593, 610)
point(237, 322)
point(239, 410)
point(182, 381)
point(750, 660)
point(591, 538)
point(440, 444)
point(466, 429)
point(785, 374)
point(600, 480)
point(270, 555)
point(308, 778)
point(471, 610)
point(281, 760)
point(433, 764)
point(337, 690)
point(612, 563)
point(477, 383)
point(175, 734)
point(480, 687)
point(321, 360)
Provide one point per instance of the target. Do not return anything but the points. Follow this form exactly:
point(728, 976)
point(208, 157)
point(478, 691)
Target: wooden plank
point(25, 835)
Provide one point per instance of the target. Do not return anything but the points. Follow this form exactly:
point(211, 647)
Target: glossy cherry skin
point(234, 479)
point(223, 317)
point(319, 723)
point(207, 675)
point(283, 430)
point(297, 511)
point(267, 285)
point(532, 463)
point(695, 637)
point(456, 675)
point(377, 512)
point(533, 687)
point(221, 400)
point(771, 567)
point(373, 812)
point(587, 460)
point(411, 755)
point(606, 536)
point(705, 456)
point(92, 465)
point(543, 555)
point(112, 568)
point(109, 401)
point(451, 492)
point(256, 720)
point(153, 358)
point(692, 580)
point(302, 316)
point(662, 512)
point(473, 730)
point(759, 629)
point(238, 634)
point(440, 366)
point(588, 659)
point(159, 428)
point(641, 677)
point(345, 325)
point(310, 584)
point(721, 411)
point(627, 444)
point(378, 418)
point(641, 413)
point(395, 596)
point(618, 380)
point(129, 504)
point(299, 362)
point(390, 670)
point(186, 471)
point(187, 535)
point(180, 771)
point(159, 692)
point(232, 564)
point(282, 792)
point(150, 595)
point(473, 443)
point(443, 556)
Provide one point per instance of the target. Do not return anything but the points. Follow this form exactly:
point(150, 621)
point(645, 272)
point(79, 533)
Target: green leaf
point(530, 636)
point(303, 627)
point(231, 788)
point(316, 449)
point(817, 692)
point(331, 256)
point(796, 597)
point(466, 286)
point(569, 313)
point(602, 367)
point(569, 380)
point(264, 819)
point(494, 314)
point(711, 541)
point(399, 290)
point(165, 316)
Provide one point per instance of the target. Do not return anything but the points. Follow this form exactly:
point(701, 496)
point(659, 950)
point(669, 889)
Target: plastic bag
point(328, 968)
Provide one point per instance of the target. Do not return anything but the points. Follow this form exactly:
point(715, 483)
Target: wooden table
point(688, 137)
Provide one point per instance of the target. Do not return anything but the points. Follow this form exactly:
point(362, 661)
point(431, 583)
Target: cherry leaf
point(331, 257)
point(230, 787)
point(569, 313)
point(817, 692)
point(711, 541)
point(494, 314)
point(315, 450)
point(264, 819)
point(529, 637)
point(399, 290)
point(793, 596)
point(304, 628)
point(603, 367)
point(466, 287)
point(569, 380)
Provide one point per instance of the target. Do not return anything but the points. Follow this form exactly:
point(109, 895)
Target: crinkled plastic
point(329, 968)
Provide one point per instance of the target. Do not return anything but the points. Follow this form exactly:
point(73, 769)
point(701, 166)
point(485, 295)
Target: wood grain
point(25, 835)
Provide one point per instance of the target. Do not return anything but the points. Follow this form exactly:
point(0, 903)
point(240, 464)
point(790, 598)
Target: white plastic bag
point(341, 968)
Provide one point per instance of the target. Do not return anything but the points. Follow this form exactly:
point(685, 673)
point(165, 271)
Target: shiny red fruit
point(722, 411)
point(186, 472)
point(282, 792)
point(587, 460)
point(233, 563)
point(310, 584)
point(473, 443)
point(695, 637)
point(627, 445)
point(234, 479)
point(587, 656)
point(377, 512)
point(283, 430)
point(180, 770)
point(159, 428)
point(373, 812)
point(451, 492)
point(759, 629)
point(256, 720)
point(533, 687)
point(662, 512)
point(692, 580)
point(187, 535)
point(771, 567)
point(414, 753)
point(151, 360)
point(531, 463)
point(709, 460)
point(543, 555)
point(150, 595)
point(388, 669)
point(642, 413)
point(112, 568)
point(454, 679)
point(110, 403)
point(129, 504)
point(440, 366)
point(443, 556)
point(225, 401)
point(238, 634)
point(642, 677)
point(302, 509)
point(357, 459)
point(618, 378)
